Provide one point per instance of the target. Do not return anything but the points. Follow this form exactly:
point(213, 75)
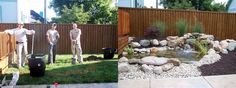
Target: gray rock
point(123, 60)
point(167, 67)
point(208, 59)
point(130, 39)
point(190, 41)
point(134, 61)
point(152, 60)
point(163, 43)
point(172, 38)
point(123, 67)
point(144, 43)
point(155, 42)
point(135, 44)
point(207, 37)
point(224, 51)
point(157, 70)
point(146, 68)
point(231, 46)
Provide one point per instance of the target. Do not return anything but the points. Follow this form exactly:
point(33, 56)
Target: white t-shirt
point(53, 35)
point(20, 34)
point(75, 35)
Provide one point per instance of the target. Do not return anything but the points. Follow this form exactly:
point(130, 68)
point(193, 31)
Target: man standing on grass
point(21, 42)
point(75, 44)
point(52, 37)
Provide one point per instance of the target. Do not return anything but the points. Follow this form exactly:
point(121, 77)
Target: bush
point(197, 28)
point(181, 27)
point(161, 27)
point(152, 32)
point(130, 51)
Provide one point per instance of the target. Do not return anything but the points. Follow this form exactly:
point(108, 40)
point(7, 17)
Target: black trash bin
point(37, 65)
point(108, 53)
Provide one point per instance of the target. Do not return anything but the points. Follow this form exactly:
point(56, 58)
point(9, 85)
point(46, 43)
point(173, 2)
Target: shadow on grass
point(95, 72)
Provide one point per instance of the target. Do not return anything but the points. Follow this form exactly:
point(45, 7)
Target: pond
point(182, 55)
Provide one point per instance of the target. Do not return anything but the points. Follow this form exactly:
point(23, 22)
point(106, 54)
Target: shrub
point(152, 32)
point(181, 27)
point(198, 27)
point(130, 51)
point(201, 48)
point(161, 27)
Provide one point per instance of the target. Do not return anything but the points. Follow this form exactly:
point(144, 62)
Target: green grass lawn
point(63, 72)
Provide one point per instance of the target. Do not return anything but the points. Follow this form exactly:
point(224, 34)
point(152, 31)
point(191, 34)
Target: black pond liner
point(37, 65)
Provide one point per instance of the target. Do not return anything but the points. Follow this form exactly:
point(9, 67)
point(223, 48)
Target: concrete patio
point(222, 81)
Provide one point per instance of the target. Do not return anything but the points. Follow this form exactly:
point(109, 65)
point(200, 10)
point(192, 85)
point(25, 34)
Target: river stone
point(174, 61)
point(224, 44)
point(157, 70)
point(144, 42)
point(123, 60)
point(155, 42)
point(167, 67)
point(163, 43)
point(135, 44)
point(134, 61)
point(146, 68)
point(231, 46)
point(123, 67)
point(152, 60)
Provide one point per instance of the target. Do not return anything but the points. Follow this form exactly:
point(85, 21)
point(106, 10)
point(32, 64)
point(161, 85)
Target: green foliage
point(130, 51)
point(99, 11)
point(198, 27)
point(181, 27)
point(203, 5)
point(161, 27)
point(73, 15)
point(201, 48)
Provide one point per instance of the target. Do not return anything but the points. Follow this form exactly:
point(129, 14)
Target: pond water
point(182, 55)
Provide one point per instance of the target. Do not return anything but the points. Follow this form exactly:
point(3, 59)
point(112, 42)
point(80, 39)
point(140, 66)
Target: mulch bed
point(226, 65)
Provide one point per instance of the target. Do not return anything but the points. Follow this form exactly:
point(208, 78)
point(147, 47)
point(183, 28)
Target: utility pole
point(45, 12)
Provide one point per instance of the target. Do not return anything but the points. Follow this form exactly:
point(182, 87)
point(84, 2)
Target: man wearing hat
point(21, 42)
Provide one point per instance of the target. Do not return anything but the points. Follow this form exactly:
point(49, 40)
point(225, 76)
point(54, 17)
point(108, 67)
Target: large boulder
point(224, 44)
point(123, 60)
point(231, 45)
point(155, 42)
point(146, 68)
point(207, 37)
point(157, 70)
point(130, 39)
point(208, 59)
point(135, 44)
point(144, 42)
point(123, 67)
point(152, 60)
point(167, 67)
point(163, 43)
point(172, 38)
point(134, 61)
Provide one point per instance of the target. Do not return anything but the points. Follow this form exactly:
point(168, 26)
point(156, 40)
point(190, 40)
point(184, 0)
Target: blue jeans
point(52, 54)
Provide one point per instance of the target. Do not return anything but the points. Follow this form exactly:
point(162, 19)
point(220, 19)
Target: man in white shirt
point(75, 44)
point(21, 42)
point(52, 37)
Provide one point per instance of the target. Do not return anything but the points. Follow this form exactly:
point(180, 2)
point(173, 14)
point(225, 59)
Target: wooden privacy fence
point(123, 30)
point(7, 48)
point(93, 38)
point(221, 25)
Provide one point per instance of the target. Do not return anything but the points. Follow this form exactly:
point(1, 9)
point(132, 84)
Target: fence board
point(93, 38)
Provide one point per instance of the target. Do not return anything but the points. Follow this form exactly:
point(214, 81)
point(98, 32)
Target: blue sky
point(38, 5)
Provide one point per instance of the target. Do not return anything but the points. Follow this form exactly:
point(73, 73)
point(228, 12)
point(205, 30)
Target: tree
point(73, 15)
point(99, 11)
point(203, 5)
